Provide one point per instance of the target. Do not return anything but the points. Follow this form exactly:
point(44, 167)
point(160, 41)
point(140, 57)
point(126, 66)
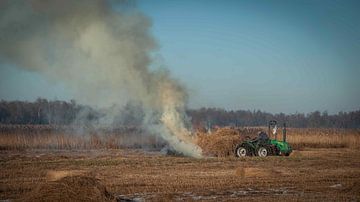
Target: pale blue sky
point(278, 56)
point(272, 55)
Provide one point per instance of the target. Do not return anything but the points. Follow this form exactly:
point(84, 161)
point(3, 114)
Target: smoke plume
point(101, 54)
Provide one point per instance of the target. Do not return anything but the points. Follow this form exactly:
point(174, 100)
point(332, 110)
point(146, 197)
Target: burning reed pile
point(222, 141)
point(70, 188)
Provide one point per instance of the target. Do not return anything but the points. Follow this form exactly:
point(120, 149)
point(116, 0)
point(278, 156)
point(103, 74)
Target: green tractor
point(264, 146)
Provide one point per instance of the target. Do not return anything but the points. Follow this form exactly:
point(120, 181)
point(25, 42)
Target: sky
point(271, 55)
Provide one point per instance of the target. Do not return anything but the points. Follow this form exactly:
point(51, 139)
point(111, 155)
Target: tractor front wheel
point(241, 152)
point(262, 152)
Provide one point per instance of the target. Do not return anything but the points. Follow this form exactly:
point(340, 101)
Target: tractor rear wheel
point(241, 152)
point(262, 152)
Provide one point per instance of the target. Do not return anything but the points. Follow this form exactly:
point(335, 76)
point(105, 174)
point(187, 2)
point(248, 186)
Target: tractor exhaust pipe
point(273, 127)
point(284, 133)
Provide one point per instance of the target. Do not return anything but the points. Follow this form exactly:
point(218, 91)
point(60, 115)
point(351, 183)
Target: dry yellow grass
point(54, 137)
point(221, 142)
point(310, 175)
point(79, 187)
point(324, 138)
point(59, 165)
point(55, 175)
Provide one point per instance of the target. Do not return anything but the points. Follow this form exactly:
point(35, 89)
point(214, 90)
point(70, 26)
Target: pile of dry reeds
point(222, 142)
point(70, 188)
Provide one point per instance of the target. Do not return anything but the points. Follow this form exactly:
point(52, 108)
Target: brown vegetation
point(70, 188)
point(33, 169)
point(324, 138)
point(308, 175)
point(21, 137)
point(221, 142)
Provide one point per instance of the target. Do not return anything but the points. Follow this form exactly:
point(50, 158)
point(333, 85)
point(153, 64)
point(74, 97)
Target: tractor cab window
point(263, 136)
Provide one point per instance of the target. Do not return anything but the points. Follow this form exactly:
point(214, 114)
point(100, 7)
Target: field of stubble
point(317, 173)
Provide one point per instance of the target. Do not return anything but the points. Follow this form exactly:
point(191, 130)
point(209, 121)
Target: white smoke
point(103, 55)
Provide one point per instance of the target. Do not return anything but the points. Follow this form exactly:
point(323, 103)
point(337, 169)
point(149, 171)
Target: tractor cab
point(282, 146)
point(264, 145)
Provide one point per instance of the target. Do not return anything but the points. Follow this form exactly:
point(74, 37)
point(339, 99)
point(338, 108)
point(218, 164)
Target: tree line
point(43, 111)
point(209, 117)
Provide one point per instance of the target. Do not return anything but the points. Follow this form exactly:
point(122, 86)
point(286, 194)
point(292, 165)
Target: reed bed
point(220, 142)
point(17, 137)
point(324, 138)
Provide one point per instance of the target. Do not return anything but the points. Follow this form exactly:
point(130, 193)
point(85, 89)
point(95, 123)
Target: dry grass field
point(324, 167)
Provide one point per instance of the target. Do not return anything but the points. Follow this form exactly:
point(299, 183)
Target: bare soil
point(129, 174)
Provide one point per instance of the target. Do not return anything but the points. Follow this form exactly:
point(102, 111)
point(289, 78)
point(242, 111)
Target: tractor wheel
point(262, 152)
point(241, 152)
